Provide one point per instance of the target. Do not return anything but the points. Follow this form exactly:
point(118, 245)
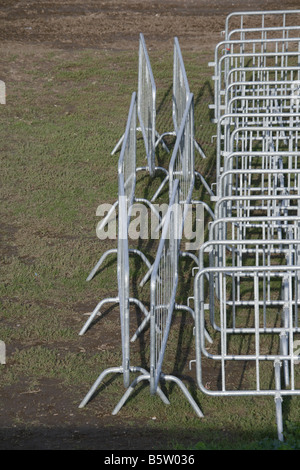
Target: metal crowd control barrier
point(180, 99)
point(271, 103)
point(265, 228)
point(126, 183)
point(164, 280)
point(260, 181)
point(127, 166)
point(181, 92)
point(181, 168)
point(146, 108)
point(264, 138)
point(283, 32)
point(243, 253)
point(225, 351)
point(247, 281)
point(257, 159)
point(261, 22)
point(238, 90)
point(124, 300)
point(256, 54)
point(263, 134)
point(242, 129)
point(279, 205)
point(182, 163)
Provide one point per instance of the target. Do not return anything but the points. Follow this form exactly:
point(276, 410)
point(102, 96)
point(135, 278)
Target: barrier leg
point(119, 370)
point(96, 384)
point(95, 312)
point(118, 145)
point(97, 266)
point(278, 400)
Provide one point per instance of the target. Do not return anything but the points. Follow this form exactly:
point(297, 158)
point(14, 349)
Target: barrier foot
point(197, 147)
point(160, 138)
point(205, 184)
point(120, 370)
point(159, 392)
point(130, 389)
point(95, 312)
point(185, 391)
point(157, 192)
point(97, 266)
point(157, 168)
point(96, 384)
point(118, 145)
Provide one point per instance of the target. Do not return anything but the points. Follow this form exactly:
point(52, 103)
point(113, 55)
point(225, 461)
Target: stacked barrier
point(249, 268)
point(263, 23)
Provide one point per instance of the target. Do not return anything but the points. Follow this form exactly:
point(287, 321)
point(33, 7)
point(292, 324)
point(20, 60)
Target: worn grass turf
point(65, 111)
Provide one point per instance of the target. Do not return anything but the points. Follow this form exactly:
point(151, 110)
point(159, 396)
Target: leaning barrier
point(146, 112)
point(164, 281)
point(182, 169)
point(181, 93)
point(126, 195)
point(180, 102)
point(126, 190)
point(124, 300)
point(127, 167)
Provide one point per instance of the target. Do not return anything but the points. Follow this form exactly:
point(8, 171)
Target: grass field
point(64, 113)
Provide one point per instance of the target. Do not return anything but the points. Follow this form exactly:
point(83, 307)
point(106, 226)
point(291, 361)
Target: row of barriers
point(163, 273)
point(246, 280)
point(247, 289)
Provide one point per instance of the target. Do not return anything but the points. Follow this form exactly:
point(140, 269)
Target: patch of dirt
point(52, 418)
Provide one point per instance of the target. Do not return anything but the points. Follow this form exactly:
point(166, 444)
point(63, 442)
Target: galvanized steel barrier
point(127, 167)
point(262, 22)
point(180, 101)
point(245, 60)
point(164, 271)
point(248, 281)
point(163, 287)
point(126, 196)
point(182, 169)
point(124, 300)
point(125, 199)
point(146, 109)
point(257, 354)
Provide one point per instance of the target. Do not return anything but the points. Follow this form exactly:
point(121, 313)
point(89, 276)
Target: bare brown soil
point(53, 420)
